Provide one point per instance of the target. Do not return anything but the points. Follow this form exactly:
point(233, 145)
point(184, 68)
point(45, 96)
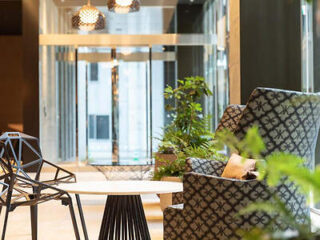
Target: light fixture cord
point(89, 2)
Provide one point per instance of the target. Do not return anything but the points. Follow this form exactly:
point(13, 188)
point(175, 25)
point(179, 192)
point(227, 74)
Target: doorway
point(114, 110)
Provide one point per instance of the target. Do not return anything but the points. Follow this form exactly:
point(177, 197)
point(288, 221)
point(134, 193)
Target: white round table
point(123, 216)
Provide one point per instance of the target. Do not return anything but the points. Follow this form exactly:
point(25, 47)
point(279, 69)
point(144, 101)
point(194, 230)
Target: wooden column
point(30, 87)
point(234, 53)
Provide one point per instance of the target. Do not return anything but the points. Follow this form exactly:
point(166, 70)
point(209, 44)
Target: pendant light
point(88, 18)
point(123, 6)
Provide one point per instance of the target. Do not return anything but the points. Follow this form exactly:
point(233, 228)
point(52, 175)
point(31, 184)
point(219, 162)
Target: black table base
point(124, 219)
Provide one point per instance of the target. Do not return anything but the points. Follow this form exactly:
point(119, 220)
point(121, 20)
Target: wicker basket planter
point(162, 158)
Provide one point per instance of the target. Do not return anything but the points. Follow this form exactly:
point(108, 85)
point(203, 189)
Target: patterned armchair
point(288, 121)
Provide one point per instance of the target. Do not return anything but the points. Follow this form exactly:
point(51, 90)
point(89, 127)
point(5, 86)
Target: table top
point(122, 187)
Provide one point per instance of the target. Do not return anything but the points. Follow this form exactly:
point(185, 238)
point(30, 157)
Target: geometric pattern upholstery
point(230, 117)
point(177, 198)
point(212, 202)
point(203, 166)
point(288, 121)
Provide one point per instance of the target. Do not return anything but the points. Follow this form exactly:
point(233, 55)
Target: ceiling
point(154, 17)
point(163, 3)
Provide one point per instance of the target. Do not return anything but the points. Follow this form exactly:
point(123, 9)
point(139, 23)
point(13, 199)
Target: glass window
point(102, 127)
point(94, 72)
point(92, 126)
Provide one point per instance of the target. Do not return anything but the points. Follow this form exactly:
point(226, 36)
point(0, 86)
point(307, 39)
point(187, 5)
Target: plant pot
point(171, 179)
point(162, 158)
point(166, 198)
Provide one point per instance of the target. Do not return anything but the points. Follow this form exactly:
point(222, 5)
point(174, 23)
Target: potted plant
point(165, 156)
point(189, 129)
point(188, 135)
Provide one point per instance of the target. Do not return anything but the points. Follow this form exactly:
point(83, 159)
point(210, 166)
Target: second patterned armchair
point(288, 122)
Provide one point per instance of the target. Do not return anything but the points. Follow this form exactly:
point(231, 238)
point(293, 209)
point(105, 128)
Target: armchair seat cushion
point(240, 168)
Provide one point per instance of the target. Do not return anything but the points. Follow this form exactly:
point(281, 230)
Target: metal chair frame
point(19, 189)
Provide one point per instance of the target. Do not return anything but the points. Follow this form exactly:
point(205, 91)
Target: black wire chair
point(23, 185)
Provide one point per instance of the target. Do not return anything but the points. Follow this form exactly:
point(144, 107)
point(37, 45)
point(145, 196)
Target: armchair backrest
point(288, 121)
point(230, 117)
point(204, 166)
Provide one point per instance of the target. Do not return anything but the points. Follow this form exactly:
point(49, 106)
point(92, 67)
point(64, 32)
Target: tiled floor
point(55, 222)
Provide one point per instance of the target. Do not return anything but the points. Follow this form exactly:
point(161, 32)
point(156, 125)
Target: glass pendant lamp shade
point(88, 18)
point(123, 6)
point(124, 3)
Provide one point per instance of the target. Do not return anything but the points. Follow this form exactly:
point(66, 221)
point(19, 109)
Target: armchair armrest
point(210, 208)
point(204, 191)
point(61, 175)
point(231, 117)
point(205, 166)
point(172, 219)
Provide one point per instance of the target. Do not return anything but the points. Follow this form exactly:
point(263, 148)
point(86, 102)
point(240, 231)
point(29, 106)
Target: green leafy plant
point(277, 167)
point(189, 133)
point(173, 169)
point(189, 126)
point(251, 146)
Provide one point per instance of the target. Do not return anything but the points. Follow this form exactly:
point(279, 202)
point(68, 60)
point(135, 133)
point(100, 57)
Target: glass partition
point(57, 103)
point(113, 99)
point(102, 91)
point(216, 22)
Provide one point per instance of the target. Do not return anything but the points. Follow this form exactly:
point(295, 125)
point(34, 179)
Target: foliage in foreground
point(277, 167)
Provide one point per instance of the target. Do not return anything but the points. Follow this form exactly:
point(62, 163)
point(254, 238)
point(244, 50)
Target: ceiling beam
point(114, 40)
point(106, 57)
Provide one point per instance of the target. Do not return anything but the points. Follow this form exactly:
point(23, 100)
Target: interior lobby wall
point(30, 45)
point(189, 19)
point(10, 83)
point(270, 45)
point(11, 65)
point(316, 58)
point(19, 99)
point(19, 66)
